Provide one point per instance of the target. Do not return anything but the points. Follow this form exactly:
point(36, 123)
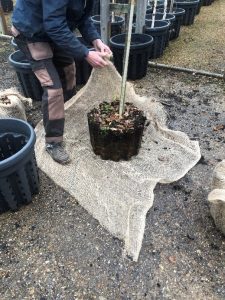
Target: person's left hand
point(101, 47)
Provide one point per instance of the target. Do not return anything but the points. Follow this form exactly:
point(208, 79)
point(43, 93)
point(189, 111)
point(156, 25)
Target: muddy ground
point(53, 249)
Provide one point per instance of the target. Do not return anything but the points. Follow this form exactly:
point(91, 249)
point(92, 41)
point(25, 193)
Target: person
point(44, 32)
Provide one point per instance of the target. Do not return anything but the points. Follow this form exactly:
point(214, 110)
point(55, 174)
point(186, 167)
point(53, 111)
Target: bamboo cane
point(153, 14)
point(126, 59)
point(113, 14)
point(171, 6)
point(3, 24)
point(164, 9)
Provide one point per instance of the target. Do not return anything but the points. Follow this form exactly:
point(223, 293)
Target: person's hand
point(96, 59)
point(101, 47)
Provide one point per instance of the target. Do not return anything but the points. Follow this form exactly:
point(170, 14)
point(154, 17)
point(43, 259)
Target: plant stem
point(126, 59)
point(165, 9)
point(171, 5)
point(153, 14)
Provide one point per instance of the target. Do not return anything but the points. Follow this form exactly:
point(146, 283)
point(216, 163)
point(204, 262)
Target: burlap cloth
point(117, 194)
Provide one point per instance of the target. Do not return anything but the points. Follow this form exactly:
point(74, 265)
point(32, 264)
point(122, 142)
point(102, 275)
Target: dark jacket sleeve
point(86, 26)
point(56, 27)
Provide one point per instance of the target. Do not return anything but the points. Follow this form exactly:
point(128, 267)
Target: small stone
point(172, 259)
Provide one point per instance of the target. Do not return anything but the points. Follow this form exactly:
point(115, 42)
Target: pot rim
point(22, 153)
point(122, 45)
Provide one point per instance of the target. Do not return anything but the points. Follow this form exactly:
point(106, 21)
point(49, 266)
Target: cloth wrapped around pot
point(217, 196)
point(117, 194)
point(12, 104)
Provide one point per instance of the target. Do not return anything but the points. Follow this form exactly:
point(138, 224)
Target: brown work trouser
point(56, 72)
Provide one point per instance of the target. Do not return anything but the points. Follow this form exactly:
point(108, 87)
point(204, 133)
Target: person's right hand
point(96, 59)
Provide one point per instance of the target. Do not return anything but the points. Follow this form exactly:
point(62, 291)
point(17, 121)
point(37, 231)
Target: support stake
point(126, 59)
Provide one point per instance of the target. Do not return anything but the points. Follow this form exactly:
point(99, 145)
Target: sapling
point(126, 59)
point(171, 6)
point(153, 14)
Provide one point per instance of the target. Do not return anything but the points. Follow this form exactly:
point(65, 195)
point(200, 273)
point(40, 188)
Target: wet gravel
point(53, 249)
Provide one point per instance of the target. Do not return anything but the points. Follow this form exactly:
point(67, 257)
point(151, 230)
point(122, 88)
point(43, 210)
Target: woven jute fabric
point(12, 104)
point(117, 194)
point(217, 196)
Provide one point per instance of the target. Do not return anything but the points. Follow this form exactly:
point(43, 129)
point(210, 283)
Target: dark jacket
point(54, 20)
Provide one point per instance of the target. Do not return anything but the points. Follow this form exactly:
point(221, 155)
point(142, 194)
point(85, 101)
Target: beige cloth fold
point(117, 194)
point(12, 104)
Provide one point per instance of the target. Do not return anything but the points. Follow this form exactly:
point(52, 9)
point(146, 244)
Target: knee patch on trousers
point(55, 104)
point(70, 75)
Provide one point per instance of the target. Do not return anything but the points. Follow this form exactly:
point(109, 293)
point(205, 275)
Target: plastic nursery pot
point(95, 8)
point(159, 33)
point(149, 9)
point(83, 69)
point(7, 5)
point(141, 45)
point(160, 4)
point(159, 16)
point(14, 44)
point(190, 7)
point(113, 138)
point(116, 27)
point(199, 7)
point(18, 170)
point(207, 2)
point(30, 85)
point(179, 14)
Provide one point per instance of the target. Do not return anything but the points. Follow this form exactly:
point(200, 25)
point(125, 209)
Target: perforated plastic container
point(83, 69)
point(19, 178)
point(141, 45)
point(30, 85)
point(191, 8)
point(179, 14)
point(116, 27)
point(207, 2)
point(170, 18)
point(160, 34)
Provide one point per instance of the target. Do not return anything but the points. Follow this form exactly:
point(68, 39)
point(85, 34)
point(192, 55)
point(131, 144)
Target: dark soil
point(108, 118)
point(5, 100)
point(53, 249)
point(114, 137)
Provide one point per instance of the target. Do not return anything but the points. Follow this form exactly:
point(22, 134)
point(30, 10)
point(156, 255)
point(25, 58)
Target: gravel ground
point(53, 249)
point(201, 45)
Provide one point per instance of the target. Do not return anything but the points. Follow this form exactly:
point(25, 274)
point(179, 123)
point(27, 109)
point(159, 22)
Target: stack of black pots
point(191, 8)
point(175, 29)
point(140, 50)
point(7, 5)
point(116, 24)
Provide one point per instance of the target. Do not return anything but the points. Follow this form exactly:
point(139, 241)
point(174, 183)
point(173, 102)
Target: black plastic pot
point(14, 44)
point(160, 4)
point(83, 69)
point(179, 14)
point(95, 8)
point(116, 27)
point(30, 85)
point(159, 16)
point(190, 7)
point(18, 169)
point(159, 34)
point(207, 2)
point(141, 45)
point(199, 7)
point(114, 145)
point(7, 5)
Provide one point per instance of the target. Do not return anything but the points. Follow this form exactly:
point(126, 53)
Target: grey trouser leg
point(56, 73)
